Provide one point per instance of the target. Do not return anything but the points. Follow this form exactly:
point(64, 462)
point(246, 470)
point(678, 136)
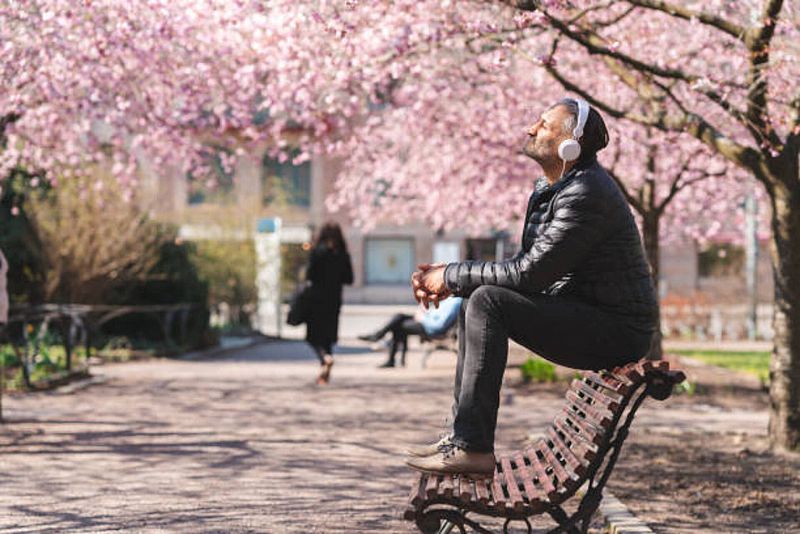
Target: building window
point(496, 248)
point(389, 260)
point(446, 252)
point(215, 188)
point(286, 184)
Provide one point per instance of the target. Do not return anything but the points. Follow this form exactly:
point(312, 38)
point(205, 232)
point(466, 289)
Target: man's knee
point(485, 298)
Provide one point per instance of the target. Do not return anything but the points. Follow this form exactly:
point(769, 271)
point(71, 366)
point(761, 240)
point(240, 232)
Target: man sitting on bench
point(431, 323)
point(579, 292)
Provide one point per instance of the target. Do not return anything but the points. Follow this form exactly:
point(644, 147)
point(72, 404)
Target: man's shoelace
point(448, 449)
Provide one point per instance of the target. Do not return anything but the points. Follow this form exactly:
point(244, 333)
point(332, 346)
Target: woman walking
point(329, 268)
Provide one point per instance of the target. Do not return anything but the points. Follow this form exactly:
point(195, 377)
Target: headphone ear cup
point(569, 150)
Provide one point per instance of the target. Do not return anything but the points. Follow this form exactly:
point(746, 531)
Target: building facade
point(384, 257)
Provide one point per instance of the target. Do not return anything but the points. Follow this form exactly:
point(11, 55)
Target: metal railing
point(78, 324)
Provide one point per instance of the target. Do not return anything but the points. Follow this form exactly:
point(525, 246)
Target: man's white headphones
point(570, 149)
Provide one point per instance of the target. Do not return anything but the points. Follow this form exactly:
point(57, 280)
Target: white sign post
point(268, 275)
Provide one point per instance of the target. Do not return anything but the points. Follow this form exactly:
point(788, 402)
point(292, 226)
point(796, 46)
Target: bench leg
point(450, 520)
point(425, 355)
point(440, 521)
point(566, 524)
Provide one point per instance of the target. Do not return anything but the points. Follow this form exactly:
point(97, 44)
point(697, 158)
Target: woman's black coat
point(328, 270)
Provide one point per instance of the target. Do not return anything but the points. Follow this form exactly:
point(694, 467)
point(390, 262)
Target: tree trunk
point(784, 420)
point(650, 228)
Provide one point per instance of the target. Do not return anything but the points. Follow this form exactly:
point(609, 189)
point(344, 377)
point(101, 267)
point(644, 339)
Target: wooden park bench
point(579, 448)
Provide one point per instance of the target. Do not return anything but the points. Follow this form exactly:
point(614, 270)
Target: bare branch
point(632, 200)
point(693, 124)
point(594, 44)
point(588, 10)
point(731, 28)
point(599, 104)
point(608, 23)
point(676, 185)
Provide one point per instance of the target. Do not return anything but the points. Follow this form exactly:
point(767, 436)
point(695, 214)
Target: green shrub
point(538, 370)
point(229, 269)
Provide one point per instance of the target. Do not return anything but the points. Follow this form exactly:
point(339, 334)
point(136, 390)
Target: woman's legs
point(325, 361)
point(402, 327)
point(392, 325)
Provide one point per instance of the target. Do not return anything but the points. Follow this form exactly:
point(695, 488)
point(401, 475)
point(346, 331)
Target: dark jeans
point(565, 331)
point(401, 326)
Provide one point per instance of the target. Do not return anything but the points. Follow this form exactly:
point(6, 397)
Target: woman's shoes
point(325, 371)
point(370, 337)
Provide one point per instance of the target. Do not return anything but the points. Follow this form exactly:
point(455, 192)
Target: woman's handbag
point(299, 306)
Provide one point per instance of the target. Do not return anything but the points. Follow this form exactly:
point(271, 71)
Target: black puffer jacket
point(579, 240)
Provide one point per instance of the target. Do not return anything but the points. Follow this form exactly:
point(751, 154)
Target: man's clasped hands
point(428, 284)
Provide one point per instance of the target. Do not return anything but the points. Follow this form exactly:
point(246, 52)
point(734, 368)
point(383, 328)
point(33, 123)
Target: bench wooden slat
point(433, 486)
point(565, 479)
point(629, 372)
point(446, 486)
point(482, 492)
point(466, 491)
point(609, 382)
point(544, 481)
point(599, 398)
point(533, 492)
point(498, 496)
point(580, 408)
point(515, 497)
point(619, 375)
point(582, 428)
point(582, 446)
point(418, 491)
point(596, 382)
point(576, 462)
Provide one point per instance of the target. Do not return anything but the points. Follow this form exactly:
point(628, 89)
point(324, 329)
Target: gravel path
point(248, 443)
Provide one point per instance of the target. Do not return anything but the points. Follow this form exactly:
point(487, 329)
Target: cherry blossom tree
point(446, 148)
point(427, 103)
point(724, 73)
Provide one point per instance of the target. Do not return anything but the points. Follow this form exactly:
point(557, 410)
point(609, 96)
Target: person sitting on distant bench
point(430, 323)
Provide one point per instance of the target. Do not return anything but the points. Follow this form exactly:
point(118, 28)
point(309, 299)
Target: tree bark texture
point(651, 220)
point(784, 421)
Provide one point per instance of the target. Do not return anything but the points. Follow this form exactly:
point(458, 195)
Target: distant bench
point(580, 447)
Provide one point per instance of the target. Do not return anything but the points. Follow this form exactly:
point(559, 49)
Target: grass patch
point(755, 363)
point(538, 370)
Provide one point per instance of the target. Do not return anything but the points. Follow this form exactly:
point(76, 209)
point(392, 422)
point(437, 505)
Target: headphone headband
point(583, 116)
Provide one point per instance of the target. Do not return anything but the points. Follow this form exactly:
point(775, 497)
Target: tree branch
point(693, 124)
point(793, 138)
point(731, 28)
point(599, 104)
point(5, 120)
point(632, 200)
point(594, 44)
point(758, 40)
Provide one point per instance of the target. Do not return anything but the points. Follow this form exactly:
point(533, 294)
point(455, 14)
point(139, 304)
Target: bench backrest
point(600, 406)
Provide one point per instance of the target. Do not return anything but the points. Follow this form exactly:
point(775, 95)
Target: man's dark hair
point(595, 133)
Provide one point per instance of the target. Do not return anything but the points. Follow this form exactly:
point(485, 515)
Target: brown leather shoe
point(427, 450)
point(451, 460)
